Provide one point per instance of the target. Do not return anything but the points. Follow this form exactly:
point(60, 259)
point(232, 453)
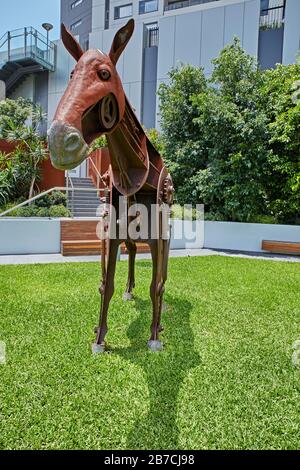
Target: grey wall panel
point(166, 46)
point(133, 56)
point(291, 42)
point(149, 87)
point(41, 94)
point(188, 38)
point(96, 40)
point(234, 22)
point(270, 48)
point(212, 38)
point(108, 37)
point(251, 27)
point(135, 95)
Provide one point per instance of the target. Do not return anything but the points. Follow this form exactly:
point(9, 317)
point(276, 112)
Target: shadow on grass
point(164, 372)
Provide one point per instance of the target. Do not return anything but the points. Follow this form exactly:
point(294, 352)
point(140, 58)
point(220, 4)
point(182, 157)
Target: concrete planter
point(246, 237)
point(42, 236)
point(20, 236)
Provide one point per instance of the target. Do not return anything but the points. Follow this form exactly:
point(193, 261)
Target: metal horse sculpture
point(94, 103)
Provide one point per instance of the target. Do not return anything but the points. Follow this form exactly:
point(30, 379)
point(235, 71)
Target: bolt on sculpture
point(93, 104)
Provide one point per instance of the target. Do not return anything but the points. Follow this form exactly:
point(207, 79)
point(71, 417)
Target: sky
point(15, 14)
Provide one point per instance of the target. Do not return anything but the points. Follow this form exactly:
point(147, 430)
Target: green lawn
point(225, 379)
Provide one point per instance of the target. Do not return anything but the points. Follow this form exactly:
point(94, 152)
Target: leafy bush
point(58, 198)
point(232, 141)
point(59, 211)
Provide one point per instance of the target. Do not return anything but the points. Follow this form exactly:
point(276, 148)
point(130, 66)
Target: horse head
point(93, 103)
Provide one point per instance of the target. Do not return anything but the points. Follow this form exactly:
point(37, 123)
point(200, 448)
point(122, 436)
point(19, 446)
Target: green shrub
point(42, 212)
point(44, 201)
point(59, 211)
point(58, 198)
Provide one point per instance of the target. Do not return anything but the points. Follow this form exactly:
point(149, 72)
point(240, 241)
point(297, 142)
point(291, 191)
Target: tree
point(232, 141)
point(180, 135)
point(282, 177)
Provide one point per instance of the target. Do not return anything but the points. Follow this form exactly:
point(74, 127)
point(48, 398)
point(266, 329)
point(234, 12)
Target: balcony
point(173, 5)
point(24, 51)
point(273, 17)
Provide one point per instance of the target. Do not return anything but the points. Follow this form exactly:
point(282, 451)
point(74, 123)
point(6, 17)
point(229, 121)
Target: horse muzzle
point(67, 146)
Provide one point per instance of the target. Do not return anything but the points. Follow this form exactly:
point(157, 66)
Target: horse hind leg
point(131, 247)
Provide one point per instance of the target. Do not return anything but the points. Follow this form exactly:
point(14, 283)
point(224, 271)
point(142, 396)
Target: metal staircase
point(23, 52)
point(83, 203)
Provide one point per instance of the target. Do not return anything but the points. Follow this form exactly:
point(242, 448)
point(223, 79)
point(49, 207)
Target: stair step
point(90, 206)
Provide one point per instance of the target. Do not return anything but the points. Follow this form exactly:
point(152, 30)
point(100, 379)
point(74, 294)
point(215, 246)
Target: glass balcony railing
point(27, 43)
point(173, 5)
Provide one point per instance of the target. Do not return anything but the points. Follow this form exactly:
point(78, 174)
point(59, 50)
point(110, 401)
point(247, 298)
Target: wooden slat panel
point(78, 230)
point(273, 246)
point(92, 247)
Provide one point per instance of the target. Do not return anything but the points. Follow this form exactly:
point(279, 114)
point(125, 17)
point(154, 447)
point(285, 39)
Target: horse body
point(95, 104)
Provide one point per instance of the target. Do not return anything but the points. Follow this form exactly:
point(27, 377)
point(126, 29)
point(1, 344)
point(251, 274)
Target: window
point(264, 7)
point(76, 25)
point(123, 11)
point(147, 6)
point(76, 4)
point(151, 35)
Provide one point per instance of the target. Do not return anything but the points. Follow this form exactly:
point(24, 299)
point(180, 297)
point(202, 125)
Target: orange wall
point(50, 177)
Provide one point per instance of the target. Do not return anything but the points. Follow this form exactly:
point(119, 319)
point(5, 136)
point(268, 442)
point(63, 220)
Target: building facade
point(167, 33)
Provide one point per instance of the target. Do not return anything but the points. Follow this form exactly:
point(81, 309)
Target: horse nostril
point(72, 142)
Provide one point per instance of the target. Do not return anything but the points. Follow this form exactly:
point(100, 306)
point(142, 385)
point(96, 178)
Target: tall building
point(167, 33)
point(77, 16)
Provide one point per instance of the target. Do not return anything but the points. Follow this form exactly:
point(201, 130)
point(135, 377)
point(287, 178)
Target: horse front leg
point(131, 247)
point(106, 291)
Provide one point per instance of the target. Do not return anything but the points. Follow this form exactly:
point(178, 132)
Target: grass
point(224, 381)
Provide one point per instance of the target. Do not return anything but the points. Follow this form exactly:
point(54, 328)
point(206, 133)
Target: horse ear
point(70, 43)
point(120, 41)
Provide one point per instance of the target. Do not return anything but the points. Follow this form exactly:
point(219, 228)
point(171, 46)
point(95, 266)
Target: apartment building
point(167, 33)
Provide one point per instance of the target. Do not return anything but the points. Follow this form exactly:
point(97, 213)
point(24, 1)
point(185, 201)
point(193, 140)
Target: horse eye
point(104, 74)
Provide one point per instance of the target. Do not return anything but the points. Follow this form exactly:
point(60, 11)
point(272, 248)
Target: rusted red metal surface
point(94, 104)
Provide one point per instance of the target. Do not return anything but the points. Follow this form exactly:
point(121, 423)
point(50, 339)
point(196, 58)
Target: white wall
point(195, 35)
point(38, 236)
point(246, 237)
point(291, 44)
point(29, 236)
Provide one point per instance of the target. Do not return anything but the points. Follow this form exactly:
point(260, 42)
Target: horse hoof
point(127, 296)
point(155, 346)
point(98, 348)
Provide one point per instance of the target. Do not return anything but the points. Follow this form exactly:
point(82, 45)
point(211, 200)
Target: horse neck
point(129, 130)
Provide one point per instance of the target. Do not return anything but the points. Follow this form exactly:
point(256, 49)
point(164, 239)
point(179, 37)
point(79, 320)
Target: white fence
point(39, 236)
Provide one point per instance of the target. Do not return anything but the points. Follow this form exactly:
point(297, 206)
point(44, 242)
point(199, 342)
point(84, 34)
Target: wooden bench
point(284, 248)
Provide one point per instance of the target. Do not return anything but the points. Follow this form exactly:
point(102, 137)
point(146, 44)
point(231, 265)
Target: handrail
point(72, 189)
point(56, 188)
point(97, 172)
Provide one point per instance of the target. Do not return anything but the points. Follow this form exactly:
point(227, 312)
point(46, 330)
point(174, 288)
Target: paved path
point(57, 258)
